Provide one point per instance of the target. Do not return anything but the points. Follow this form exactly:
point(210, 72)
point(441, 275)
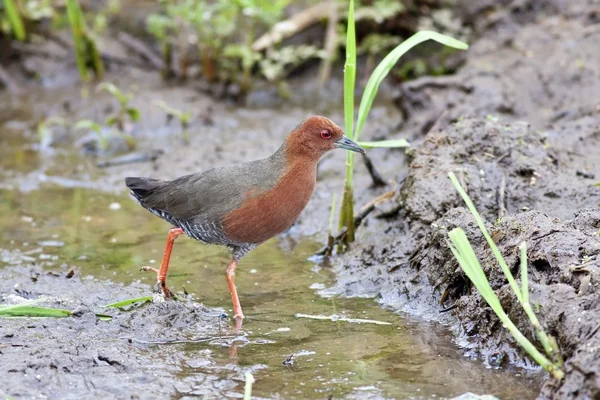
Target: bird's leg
point(230, 274)
point(161, 274)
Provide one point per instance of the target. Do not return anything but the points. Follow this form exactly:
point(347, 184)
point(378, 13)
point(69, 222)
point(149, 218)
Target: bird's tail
point(141, 188)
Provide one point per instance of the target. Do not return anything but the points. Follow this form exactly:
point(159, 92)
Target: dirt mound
point(522, 184)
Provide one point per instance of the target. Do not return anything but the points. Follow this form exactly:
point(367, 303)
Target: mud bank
point(529, 159)
point(528, 190)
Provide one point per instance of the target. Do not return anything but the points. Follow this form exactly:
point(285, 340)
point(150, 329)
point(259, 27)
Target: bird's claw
point(162, 289)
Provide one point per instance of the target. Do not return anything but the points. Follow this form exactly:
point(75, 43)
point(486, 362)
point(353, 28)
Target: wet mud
point(49, 357)
point(519, 123)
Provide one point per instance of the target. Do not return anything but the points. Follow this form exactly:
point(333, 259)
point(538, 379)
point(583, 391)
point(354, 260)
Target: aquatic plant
point(213, 28)
point(14, 22)
point(380, 72)
point(206, 25)
point(182, 117)
point(87, 54)
point(97, 129)
point(125, 110)
point(463, 252)
point(160, 27)
point(214, 23)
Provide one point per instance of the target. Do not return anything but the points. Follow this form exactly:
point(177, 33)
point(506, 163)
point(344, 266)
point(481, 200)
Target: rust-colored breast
point(263, 215)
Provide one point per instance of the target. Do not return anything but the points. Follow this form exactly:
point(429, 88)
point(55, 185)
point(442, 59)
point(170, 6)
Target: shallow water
point(110, 236)
point(64, 223)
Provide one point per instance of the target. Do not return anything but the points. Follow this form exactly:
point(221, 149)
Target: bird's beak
point(345, 143)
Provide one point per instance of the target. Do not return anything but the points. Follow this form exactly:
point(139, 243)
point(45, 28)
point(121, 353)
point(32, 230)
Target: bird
point(241, 205)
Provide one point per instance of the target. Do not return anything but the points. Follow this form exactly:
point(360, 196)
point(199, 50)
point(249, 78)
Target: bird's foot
point(162, 289)
point(161, 286)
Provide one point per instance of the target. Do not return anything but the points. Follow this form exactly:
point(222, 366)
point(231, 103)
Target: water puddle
point(110, 237)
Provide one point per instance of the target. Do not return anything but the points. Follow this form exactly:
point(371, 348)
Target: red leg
point(230, 274)
point(161, 274)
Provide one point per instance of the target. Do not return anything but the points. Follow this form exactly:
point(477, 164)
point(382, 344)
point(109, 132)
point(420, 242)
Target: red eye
point(325, 134)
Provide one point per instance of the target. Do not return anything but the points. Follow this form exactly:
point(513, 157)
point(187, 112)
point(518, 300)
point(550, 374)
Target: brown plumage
point(242, 205)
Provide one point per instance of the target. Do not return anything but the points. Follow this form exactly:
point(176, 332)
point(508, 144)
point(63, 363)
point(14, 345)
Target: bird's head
point(316, 135)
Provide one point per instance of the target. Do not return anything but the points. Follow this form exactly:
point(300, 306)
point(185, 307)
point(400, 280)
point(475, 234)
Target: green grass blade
point(524, 278)
point(511, 280)
point(349, 84)
point(463, 252)
point(33, 311)
point(388, 144)
point(104, 317)
point(128, 302)
point(16, 22)
point(347, 203)
point(350, 72)
point(388, 63)
point(77, 23)
point(332, 214)
point(548, 342)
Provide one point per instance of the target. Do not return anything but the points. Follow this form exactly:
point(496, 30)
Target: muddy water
point(109, 237)
point(51, 214)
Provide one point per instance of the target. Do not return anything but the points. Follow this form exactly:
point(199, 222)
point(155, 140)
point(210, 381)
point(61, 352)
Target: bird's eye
point(325, 134)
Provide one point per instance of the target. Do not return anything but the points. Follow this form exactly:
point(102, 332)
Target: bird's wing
point(209, 195)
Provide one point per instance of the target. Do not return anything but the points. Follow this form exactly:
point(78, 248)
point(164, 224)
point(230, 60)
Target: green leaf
point(33, 311)
point(104, 317)
point(388, 144)
point(464, 254)
point(388, 63)
point(80, 40)
point(597, 184)
point(133, 113)
point(16, 23)
point(88, 124)
point(130, 141)
point(112, 120)
point(347, 204)
point(350, 73)
point(128, 302)
point(332, 214)
point(115, 91)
